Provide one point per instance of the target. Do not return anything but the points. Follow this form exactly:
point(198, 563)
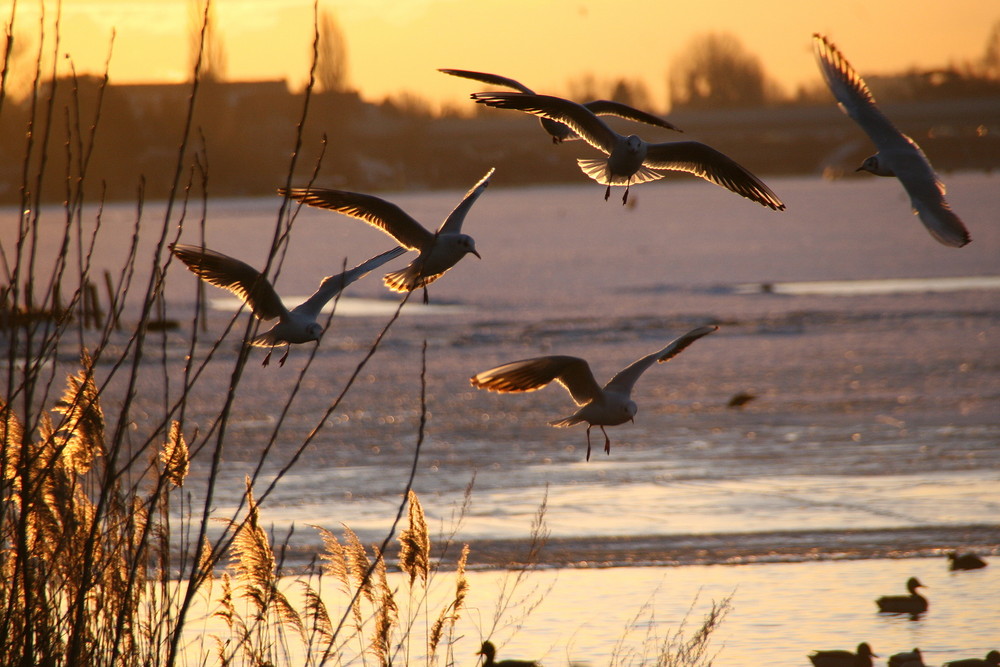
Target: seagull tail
point(407, 280)
point(597, 169)
point(568, 421)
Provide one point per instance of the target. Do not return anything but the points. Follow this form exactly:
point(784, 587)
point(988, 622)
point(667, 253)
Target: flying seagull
point(630, 159)
point(439, 251)
point(559, 131)
point(298, 325)
point(898, 155)
point(609, 406)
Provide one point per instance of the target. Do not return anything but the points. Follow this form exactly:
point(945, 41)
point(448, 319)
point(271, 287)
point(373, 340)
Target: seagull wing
point(705, 162)
point(231, 274)
point(492, 79)
point(333, 285)
point(377, 212)
point(619, 110)
point(453, 223)
point(577, 117)
point(853, 96)
point(530, 374)
point(627, 377)
point(926, 193)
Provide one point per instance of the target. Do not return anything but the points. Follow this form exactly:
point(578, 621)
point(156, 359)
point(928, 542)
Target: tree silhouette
point(331, 56)
point(715, 70)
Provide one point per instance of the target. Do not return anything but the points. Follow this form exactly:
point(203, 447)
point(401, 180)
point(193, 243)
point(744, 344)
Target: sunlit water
point(871, 444)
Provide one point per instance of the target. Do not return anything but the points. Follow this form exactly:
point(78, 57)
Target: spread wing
point(333, 285)
point(453, 223)
point(705, 162)
point(577, 117)
point(619, 110)
point(626, 378)
point(853, 95)
point(377, 212)
point(231, 274)
point(491, 79)
point(530, 374)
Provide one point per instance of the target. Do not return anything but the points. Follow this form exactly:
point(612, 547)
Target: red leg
point(607, 193)
point(588, 440)
point(607, 442)
point(625, 196)
point(281, 362)
point(267, 358)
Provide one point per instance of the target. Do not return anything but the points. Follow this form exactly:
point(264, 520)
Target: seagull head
point(630, 408)
point(875, 166)
point(466, 243)
point(633, 143)
point(314, 330)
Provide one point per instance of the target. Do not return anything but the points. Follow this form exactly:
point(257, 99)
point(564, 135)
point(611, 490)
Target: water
point(871, 444)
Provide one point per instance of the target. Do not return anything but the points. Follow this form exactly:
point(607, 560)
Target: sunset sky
point(396, 45)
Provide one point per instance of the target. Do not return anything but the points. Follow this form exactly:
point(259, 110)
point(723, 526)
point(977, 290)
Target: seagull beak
point(473, 251)
point(861, 168)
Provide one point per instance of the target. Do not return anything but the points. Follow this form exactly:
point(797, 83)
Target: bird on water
point(914, 603)
point(840, 658)
point(489, 652)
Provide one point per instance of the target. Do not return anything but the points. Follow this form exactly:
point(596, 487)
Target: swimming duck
point(489, 651)
point(968, 561)
point(914, 603)
point(992, 660)
point(863, 658)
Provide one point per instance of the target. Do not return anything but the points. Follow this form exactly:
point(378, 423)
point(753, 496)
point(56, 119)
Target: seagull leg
point(267, 357)
point(607, 193)
point(427, 298)
point(588, 440)
point(625, 196)
point(607, 440)
point(281, 362)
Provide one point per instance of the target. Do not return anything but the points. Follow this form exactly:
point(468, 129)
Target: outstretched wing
point(491, 79)
point(853, 95)
point(333, 285)
point(577, 117)
point(626, 378)
point(705, 162)
point(453, 223)
point(530, 374)
point(619, 110)
point(231, 274)
point(377, 212)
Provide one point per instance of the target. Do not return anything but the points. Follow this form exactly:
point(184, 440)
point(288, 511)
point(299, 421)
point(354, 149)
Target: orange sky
point(396, 45)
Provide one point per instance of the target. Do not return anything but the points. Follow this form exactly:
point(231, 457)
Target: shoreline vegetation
point(96, 568)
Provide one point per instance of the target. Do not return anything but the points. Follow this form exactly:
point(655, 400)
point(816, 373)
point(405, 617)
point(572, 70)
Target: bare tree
point(207, 51)
point(715, 70)
point(991, 57)
point(331, 57)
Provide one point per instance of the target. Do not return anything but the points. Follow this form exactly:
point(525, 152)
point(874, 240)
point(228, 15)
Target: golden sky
point(396, 45)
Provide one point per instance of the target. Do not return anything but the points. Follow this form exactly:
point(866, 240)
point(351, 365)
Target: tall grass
point(95, 567)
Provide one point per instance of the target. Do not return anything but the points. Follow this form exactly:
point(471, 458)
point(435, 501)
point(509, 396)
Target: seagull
point(630, 159)
point(439, 251)
point(609, 406)
point(914, 603)
point(488, 651)
point(898, 155)
point(863, 658)
point(558, 131)
point(297, 325)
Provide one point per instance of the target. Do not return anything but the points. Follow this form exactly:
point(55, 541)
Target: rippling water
point(870, 445)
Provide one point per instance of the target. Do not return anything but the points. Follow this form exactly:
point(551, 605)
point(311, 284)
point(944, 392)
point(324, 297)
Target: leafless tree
point(331, 57)
point(715, 70)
